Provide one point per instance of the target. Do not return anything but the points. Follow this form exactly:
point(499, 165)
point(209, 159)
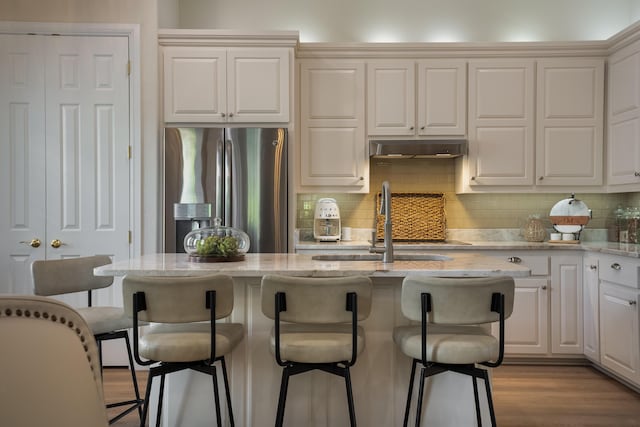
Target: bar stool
point(65, 276)
point(316, 327)
point(449, 336)
point(50, 368)
point(176, 341)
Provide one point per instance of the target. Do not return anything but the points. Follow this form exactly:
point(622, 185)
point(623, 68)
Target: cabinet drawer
point(538, 264)
point(621, 270)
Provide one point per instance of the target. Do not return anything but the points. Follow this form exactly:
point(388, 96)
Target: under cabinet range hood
point(419, 149)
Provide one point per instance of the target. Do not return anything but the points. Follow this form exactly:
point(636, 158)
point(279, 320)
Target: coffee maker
point(326, 222)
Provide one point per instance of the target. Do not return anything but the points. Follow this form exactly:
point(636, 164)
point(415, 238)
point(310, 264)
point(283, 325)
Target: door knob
point(34, 243)
point(55, 243)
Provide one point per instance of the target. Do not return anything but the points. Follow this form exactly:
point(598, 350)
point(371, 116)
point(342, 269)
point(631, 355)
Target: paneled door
point(64, 162)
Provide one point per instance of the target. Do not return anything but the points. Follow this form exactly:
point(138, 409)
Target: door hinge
point(128, 68)
point(130, 237)
point(129, 151)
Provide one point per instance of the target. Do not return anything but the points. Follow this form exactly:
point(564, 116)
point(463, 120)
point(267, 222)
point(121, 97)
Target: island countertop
point(254, 265)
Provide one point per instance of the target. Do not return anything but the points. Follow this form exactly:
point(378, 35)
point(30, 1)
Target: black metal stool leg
point(420, 395)
point(477, 400)
point(145, 408)
point(408, 405)
point(352, 411)
point(216, 394)
point(160, 398)
point(284, 385)
point(134, 379)
point(228, 393)
point(487, 386)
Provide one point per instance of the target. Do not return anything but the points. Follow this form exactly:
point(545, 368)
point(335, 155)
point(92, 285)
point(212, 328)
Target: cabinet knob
point(411, 128)
point(223, 115)
point(421, 127)
point(473, 178)
point(636, 174)
point(544, 287)
point(362, 178)
point(541, 178)
point(593, 267)
point(633, 302)
point(616, 266)
point(514, 259)
point(230, 114)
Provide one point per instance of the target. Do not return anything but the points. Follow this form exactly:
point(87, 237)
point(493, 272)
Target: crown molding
point(172, 37)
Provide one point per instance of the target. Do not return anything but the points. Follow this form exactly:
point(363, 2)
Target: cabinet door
point(619, 339)
point(195, 84)
point(591, 308)
point(569, 121)
point(566, 304)
point(391, 98)
point(623, 144)
point(526, 329)
point(333, 152)
point(442, 97)
point(501, 117)
point(257, 85)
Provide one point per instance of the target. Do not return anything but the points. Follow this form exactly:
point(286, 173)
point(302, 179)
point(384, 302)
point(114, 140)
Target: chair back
point(316, 299)
point(49, 365)
point(64, 276)
point(460, 301)
point(178, 299)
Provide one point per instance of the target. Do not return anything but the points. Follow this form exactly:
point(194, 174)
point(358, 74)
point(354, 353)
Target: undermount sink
point(378, 257)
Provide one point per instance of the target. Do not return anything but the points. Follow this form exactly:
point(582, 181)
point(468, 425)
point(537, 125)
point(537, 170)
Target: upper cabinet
point(433, 104)
point(569, 122)
point(501, 122)
point(226, 77)
point(535, 124)
point(623, 150)
point(218, 85)
point(333, 152)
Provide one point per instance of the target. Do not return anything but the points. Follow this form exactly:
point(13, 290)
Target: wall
point(463, 211)
point(418, 20)
point(144, 13)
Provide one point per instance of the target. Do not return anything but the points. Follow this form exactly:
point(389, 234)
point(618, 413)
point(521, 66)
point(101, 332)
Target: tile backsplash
point(463, 211)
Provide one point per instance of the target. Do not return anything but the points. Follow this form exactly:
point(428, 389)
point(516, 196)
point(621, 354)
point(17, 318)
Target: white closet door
point(22, 159)
point(65, 162)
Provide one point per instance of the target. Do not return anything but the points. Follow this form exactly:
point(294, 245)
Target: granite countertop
point(613, 248)
point(255, 265)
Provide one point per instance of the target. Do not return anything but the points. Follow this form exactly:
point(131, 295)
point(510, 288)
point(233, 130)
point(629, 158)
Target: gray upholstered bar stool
point(50, 369)
point(184, 333)
point(450, 336)
point(316, 326)
point(69, 275)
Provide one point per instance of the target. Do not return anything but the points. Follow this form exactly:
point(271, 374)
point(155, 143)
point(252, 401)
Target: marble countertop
point(255, 265)
point(622, 249)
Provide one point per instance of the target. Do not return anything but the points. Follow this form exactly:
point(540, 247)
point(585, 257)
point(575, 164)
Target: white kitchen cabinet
point(333, 152)
point(527, 329)
point(591, 308)
point(619, 340)
point(501, 123)
point(433, 104)
point(226, 85)
point(623, 144)
point(566, 304)
point(569, 121)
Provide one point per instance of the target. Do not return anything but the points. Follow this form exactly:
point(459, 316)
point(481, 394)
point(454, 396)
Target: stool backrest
point(459, 301)
point(316, 299)
point(50, 368)
point(178, 299)
point(64, 276)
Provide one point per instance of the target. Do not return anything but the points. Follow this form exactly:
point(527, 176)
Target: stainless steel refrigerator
point(236, 174)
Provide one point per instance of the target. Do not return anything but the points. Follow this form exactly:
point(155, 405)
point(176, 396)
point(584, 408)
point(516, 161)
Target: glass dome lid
point(217, 241)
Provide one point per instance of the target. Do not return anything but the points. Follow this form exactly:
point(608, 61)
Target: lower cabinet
point(619, 340)
point(527, 330)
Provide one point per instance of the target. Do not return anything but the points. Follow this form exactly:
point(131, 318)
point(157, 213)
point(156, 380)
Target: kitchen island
point(380, 377)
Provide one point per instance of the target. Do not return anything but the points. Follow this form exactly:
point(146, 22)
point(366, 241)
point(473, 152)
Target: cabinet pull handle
point(593, 267)
point(616, 266)
point(421, 127)
point(514, 259)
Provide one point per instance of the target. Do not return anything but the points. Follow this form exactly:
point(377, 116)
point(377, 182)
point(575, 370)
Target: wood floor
point(524, 396)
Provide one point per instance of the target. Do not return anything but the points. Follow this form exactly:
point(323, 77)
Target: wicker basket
point(415, 217)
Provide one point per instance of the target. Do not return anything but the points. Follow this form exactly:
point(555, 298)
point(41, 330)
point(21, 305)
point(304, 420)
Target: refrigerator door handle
point(228, 180)
point(220, 199)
